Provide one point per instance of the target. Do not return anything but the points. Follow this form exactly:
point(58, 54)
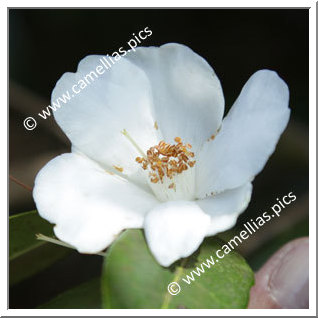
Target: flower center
point(166, 160)
point(169, 167)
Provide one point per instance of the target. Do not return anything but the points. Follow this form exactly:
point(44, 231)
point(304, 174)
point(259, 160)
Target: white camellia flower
point(150, 150)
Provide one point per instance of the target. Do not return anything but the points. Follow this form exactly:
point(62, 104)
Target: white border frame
point(312, 155)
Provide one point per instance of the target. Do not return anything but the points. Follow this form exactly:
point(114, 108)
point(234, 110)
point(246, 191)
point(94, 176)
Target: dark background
point(44, 44)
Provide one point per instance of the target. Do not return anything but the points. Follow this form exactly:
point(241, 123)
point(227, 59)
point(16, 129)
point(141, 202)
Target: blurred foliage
point(23, 228)
point(84, 296)
point(28, 255)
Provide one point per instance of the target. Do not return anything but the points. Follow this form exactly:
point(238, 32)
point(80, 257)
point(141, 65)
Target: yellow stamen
point(177, 139)
point(167, 160)
point(120, 169)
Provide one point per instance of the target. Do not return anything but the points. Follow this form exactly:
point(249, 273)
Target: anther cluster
point(167, 160)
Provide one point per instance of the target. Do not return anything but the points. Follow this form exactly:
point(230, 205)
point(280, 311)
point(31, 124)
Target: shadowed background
point(44, 44)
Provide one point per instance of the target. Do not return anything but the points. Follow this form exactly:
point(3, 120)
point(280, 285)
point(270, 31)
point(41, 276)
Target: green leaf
point(22, 230)
point(84, 296)
point(27, 254)
point(133, 279)
point(34, 261)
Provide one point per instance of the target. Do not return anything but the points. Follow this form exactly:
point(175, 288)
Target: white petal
point(248, 136)
point(188, 97)
point(93, 119)
point(174, 230)
point(224, 208)
point(89, 206)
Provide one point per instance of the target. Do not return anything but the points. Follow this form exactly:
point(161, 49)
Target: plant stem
point(179, 271)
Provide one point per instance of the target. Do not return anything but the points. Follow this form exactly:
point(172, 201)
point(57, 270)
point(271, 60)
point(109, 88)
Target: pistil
point(133, 142)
